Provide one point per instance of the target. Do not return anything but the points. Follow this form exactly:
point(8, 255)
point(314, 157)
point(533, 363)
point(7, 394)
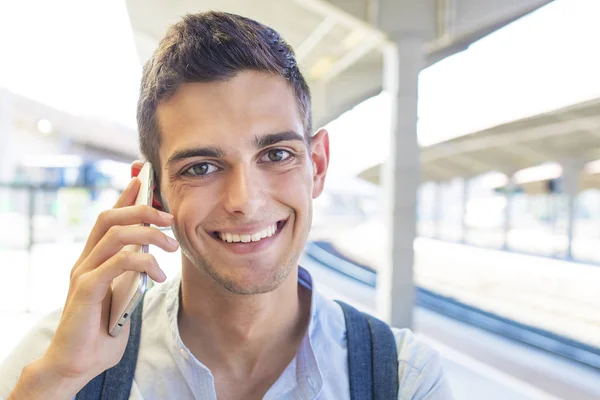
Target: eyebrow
point(259, 142)
point(210, 151)
point(263, 141)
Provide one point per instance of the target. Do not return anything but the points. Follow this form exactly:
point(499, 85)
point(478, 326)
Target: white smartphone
point(128, 288)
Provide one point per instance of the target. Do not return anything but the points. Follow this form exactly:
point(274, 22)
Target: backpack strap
point(385, 360)
point(115, 383)
point(372, 356)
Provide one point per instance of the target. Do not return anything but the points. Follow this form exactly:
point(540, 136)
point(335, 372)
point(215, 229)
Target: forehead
point(227, 113)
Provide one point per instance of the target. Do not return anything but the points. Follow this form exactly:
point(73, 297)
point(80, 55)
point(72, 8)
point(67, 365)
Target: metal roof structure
point(339, 50)
point(568, 136)
point(91, 135)
point(337, 44)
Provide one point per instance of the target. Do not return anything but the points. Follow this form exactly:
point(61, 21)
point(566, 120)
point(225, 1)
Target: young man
point(224, 116)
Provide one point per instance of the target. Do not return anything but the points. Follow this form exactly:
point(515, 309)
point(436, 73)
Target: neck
point(242, 335)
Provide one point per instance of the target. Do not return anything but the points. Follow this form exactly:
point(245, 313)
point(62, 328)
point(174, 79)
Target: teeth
point(255, 237)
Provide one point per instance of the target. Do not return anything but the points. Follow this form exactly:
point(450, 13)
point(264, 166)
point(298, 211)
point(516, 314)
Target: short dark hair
point(207, 47)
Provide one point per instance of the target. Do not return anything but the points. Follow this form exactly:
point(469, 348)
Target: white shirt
point(166, 369)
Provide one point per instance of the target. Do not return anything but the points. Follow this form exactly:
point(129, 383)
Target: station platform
point(549, 294)
point(479, 364)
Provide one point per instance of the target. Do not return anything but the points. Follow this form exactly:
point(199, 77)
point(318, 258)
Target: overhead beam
point(326, 9)
point(440, 48)
point(593, 128)
point(356, 53)
point(315, 37)
point(542, 131)
point(443, 173)
point(522, 150)
point(373, 37)
point(471, 161)
point(446, 20)
point(534, 157)
point(372, 12)
point(464, 159)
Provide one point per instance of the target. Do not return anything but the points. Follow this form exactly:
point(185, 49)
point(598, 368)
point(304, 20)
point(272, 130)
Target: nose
point(243, 194)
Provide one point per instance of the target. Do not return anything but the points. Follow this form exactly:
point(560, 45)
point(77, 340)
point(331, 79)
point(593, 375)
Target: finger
point(132, 215)
point(127, 198)
point(120, 236)
point(92, 287)
point(136, 167)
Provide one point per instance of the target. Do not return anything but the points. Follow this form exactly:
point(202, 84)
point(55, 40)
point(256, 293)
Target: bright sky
point(80, 57)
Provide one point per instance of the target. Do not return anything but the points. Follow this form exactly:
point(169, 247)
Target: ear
point(320, 158)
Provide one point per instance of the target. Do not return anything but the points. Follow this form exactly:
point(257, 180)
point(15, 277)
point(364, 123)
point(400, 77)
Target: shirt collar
point(307, 376)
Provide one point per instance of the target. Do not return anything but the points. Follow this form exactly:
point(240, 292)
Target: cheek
point(293, 188)
point(190, 204)
point(177, 195)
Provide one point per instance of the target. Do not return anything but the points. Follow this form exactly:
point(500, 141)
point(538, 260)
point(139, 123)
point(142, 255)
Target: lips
point(248, 237)
point(250, 247)
point(237, 235)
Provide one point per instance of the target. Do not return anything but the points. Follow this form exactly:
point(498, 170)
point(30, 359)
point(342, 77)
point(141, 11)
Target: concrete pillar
point(570, 187)
point(438, 204)
point(510, 186)
point(553, 201)
point(406, 23)
point(395, 293)
point(7, 159)
point(465, 201)
point(7, 150)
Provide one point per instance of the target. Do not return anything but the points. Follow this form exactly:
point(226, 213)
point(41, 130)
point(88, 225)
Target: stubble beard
point(274, 277)
point(278, 274)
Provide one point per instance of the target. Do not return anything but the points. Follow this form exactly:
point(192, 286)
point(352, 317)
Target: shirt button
point(184, 354)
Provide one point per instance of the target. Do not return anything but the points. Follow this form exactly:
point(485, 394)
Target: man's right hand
point(81, 347)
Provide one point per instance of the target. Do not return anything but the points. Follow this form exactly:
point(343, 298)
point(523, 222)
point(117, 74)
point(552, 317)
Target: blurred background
point(487, 244)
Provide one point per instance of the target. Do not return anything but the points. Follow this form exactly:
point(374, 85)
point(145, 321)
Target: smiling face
point(239, 178)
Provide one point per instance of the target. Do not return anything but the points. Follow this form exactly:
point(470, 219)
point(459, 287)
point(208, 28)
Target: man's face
point(239, 178)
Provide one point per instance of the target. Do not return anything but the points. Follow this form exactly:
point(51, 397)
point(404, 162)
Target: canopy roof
point(336, 42)
point(569, 136)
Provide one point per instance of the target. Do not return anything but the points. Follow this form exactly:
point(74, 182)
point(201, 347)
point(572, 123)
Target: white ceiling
point(337, 43)
point(337, 48)
point(569, 136)
point(95, 137)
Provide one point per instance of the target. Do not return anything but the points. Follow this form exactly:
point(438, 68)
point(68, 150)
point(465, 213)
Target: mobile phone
point(129, 288)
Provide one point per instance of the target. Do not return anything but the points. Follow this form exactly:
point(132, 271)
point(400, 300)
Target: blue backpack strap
point(372, 356)
point(115, 383)
point(360, 366)
point(385, 360)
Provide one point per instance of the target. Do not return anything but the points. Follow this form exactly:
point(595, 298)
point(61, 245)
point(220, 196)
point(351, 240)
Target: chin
point(249, 279)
